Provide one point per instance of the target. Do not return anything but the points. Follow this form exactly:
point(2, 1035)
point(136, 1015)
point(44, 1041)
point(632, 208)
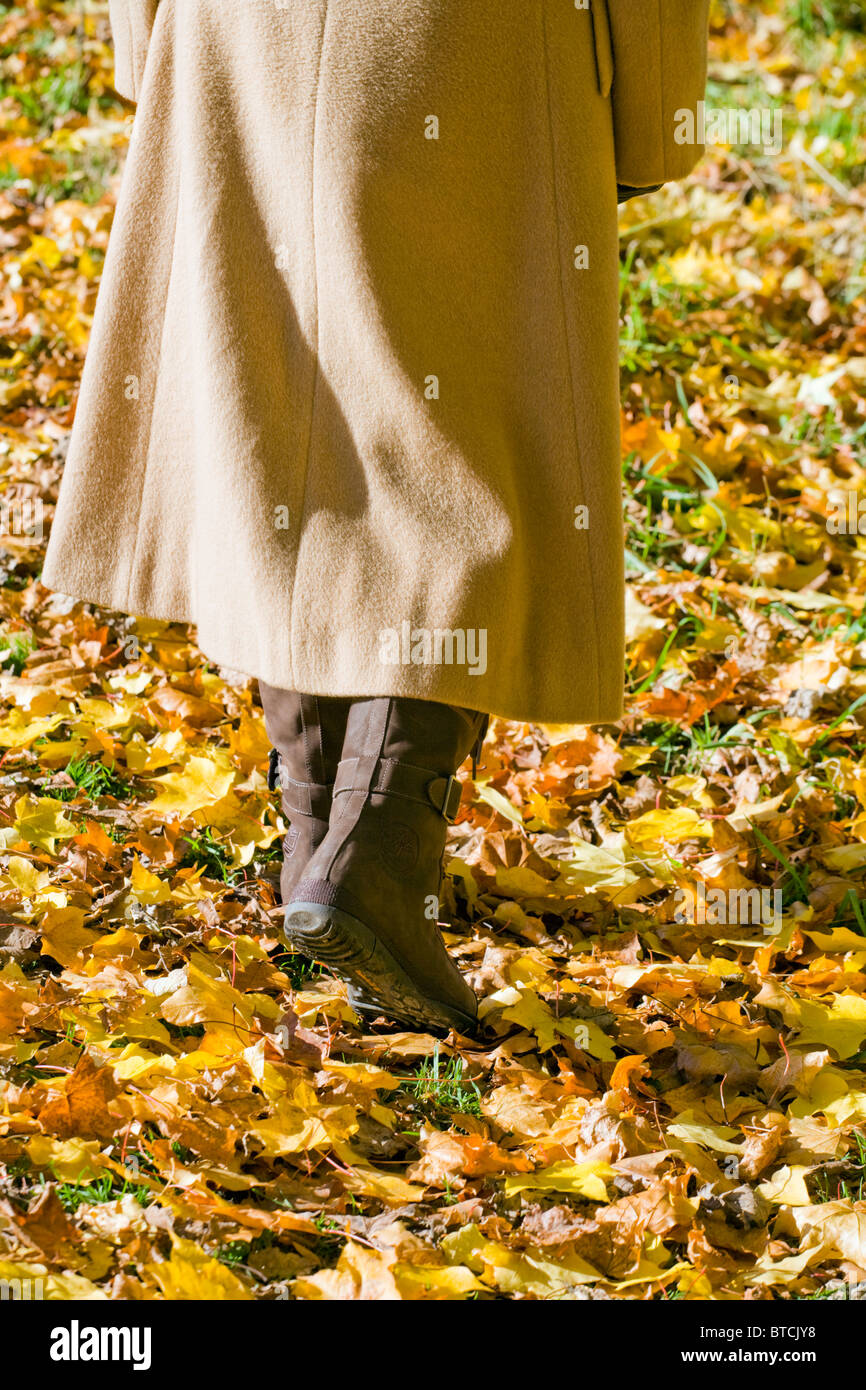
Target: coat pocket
point(131, 25)
point(660, 55)
point(603, 45)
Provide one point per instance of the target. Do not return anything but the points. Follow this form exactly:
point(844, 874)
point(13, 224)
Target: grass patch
point(14, 651)
point(105, 1189)
point(440, 1092)
point(300, 969)
point(208, 853)
point(852, 1186)
point(94, 778)
point(237, 1252)
point(53, 96)
point(84, 176)
point(817, 17)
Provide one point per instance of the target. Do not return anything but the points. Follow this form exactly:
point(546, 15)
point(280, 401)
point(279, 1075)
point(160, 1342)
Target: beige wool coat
point(351, 399)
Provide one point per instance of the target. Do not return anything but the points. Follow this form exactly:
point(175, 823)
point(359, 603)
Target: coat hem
point(396, 689)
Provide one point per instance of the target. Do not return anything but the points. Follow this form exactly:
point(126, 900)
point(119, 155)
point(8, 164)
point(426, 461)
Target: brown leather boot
point(307, 732)
point(369, 901)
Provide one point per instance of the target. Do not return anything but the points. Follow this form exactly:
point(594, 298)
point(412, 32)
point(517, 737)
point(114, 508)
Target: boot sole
point(363, 1004)
point(334, 937)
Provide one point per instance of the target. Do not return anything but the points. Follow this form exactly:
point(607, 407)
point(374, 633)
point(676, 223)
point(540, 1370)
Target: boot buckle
point(450, 804)
point(273, 769)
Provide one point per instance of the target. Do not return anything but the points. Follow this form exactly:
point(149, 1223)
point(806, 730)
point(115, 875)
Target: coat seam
point(129, 50)
point(135, 48)
point(316, 365)
point(597, 9)
point(133, 563)
point(568, 348)
point(662, 131)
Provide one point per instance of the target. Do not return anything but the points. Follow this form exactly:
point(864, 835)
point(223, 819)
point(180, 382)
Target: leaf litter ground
point(664, 918)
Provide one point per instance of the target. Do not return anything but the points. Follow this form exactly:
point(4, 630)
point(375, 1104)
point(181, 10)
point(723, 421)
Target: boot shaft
point(369, 897)
point(307, 731)
point(423, 733)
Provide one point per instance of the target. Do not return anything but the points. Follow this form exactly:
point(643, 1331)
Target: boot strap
point(303, 798)
point(393, 778)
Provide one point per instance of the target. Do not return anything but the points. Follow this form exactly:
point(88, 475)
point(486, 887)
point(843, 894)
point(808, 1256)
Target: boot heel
point(327, 934)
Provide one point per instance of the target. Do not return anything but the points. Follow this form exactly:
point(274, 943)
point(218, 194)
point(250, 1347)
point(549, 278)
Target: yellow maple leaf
point(528, 1271)
point(693, 1129)
point(191, 1273)
point(25, 876)
point(840, 1025)
point(199, 785)
point(64, 936)
point(70, 1160)
point(27, 1281)
point(18, 732)
point(147, 888)
point(379, 1276)
point(584, 1179)
point(289, 1130)
point(523, 1007)
point(669, 827)
point(249, 742)
point(165, 749)
point(42, 821)
point(787, 1187)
